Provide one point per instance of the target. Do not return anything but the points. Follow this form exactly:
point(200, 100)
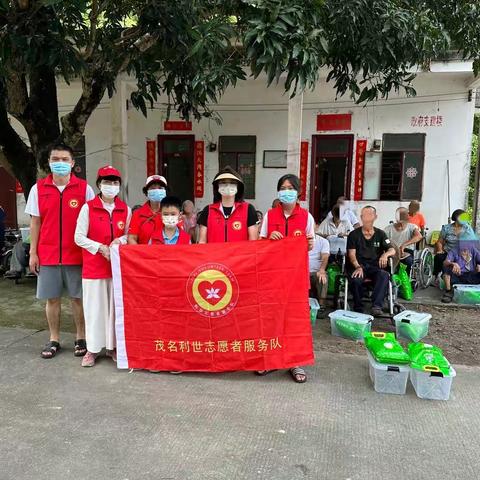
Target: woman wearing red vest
point(229, 218)
point(288, 219)
point(148, 219)
point(102, 222)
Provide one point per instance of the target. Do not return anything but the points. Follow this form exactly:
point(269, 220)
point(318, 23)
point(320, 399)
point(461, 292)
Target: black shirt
point(368, 251)
point(252, 218)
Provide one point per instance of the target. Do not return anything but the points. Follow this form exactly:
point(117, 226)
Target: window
point(240, 153)
point(399, 174)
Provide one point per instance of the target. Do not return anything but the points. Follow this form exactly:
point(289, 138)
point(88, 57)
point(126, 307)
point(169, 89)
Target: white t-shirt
point(32, 207)
point(310, 230)
point(348, 215)
point(320, 246)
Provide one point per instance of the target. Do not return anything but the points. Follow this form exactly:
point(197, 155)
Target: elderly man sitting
point(462, 266)
point(403, 234)
point(368, 250)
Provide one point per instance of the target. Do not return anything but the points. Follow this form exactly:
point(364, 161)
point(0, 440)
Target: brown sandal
point(297, 373)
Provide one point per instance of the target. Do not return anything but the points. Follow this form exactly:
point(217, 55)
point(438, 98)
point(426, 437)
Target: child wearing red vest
point(102, 222)
point(53, 204)
point(170, 234)
point(229, 218)
point(288, 219)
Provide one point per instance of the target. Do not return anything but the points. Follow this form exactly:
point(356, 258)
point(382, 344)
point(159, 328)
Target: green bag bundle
point(333, 271)
point(413, 331)
point(385, 348)
point(428, 358)
point(403, 282)
point(354, 331)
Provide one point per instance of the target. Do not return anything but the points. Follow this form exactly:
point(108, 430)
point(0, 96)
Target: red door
point(8, 198)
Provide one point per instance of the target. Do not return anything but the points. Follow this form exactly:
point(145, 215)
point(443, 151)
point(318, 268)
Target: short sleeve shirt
point(368, 250)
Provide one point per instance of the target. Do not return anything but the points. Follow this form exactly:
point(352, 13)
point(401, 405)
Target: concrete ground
point(58, 420)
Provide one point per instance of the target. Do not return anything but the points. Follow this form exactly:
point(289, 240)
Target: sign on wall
point(151, 157)
point(303, 169)
point(199, 166)
point(180, 125)
point(334, 121)
point(426, 121)
point(361, 147)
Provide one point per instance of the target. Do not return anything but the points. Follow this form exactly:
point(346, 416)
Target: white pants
point(99, 314)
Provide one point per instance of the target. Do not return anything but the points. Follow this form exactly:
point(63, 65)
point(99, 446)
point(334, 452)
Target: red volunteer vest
point(183, 238)
point(231, 229)
point(293, 226)
point(59, 212)
point(148, 222)
point(104, 229)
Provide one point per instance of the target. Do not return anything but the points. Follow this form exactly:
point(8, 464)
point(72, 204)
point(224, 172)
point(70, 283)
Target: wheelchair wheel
point(425, 268)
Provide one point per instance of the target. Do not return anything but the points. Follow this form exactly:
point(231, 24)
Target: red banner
point(177, 125)
point(151, 158)
point(359, 167)
point(199, 168)
point(213, 307)
point(334, 121)
point(303, 169)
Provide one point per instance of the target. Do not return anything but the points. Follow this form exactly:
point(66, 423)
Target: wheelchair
point(421, 273)
point(342, 300)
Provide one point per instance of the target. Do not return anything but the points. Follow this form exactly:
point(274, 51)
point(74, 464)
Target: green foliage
point(473, 165)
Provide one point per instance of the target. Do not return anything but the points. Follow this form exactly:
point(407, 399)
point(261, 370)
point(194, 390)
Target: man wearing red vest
point(53, 205)
point(229, 218)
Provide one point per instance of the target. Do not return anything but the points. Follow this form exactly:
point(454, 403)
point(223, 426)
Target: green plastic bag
point(413, 331)
point(403, 282)
point(428, 358)
point(352, 330)
point(385, 348)
point(333, 271)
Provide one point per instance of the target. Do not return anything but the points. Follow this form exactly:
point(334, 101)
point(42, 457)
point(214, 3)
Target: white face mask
point(170, 220)
point(109, 191)
point(227, 189)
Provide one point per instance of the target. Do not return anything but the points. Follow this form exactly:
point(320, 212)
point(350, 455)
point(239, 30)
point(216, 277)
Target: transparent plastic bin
point(432, 385)
point(388, 378)
point(351, 325)
point(412, 325)
point(314, 308)
point(466, 294)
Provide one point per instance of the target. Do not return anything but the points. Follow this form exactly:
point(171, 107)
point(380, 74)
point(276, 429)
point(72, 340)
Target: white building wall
point(253, 109)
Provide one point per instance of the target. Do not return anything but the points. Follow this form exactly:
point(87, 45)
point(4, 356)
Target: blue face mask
point(287, 196)
point(156, 194)
point(60, 168)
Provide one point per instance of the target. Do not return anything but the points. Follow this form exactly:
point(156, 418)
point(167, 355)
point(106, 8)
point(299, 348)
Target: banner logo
point(212, 290)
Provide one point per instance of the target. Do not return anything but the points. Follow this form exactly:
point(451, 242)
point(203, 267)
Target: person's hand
point(402, 251)
point(342, 235)
point(383, 261)
point(478, 268)
point(275, 235)
point(358, 272)
point(456, 269)
point(104, 251)
point(34, 263)
point(322, 277)
point(117, 241)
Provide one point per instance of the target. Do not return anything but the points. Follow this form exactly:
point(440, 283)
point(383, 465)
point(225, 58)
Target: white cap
point(156, 178)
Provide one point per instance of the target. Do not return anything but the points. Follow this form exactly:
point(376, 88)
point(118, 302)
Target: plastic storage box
point(466, 294)
point(432, 385)
point(412, 325)
point(314, 308)
point(351, 325)
point(388, 378)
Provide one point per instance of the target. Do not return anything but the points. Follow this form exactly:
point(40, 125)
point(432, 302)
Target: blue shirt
point(173, 240)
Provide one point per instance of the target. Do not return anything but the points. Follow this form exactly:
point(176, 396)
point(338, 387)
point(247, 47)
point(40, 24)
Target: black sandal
point(50, 349)
point(262, 373)
point(298, 372)
point(80, 348)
